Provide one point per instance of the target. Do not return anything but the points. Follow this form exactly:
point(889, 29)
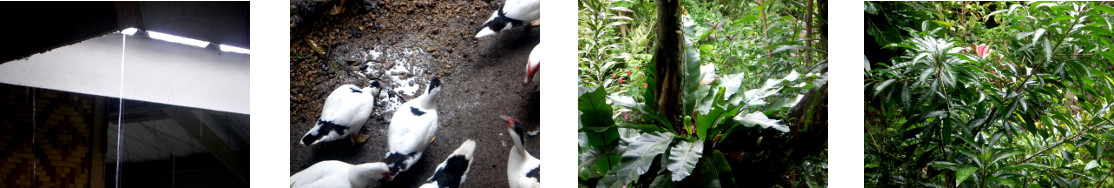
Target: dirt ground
point(403, 44)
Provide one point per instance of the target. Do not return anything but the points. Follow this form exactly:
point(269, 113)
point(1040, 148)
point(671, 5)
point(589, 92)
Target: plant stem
point(1060, 142)
point(765, 28)
point(1104, 177)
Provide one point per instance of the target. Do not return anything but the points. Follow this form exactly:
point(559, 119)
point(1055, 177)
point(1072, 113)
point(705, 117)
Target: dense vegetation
point(989, 94)
point(737, 98)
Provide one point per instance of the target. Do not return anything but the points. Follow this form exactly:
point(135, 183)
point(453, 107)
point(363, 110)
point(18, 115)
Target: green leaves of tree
point(623, 152)
point(1005, 119)
point(716, 171)
point(693, 85)
point(760, 119)
point(597, 126)
point(637, 158)
point(597, 113)
point(964, 173)
point(683, 157)
point(1091, 165)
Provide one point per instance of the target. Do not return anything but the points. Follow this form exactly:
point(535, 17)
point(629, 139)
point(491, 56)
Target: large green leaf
point(596, 124)
point(636, 159)
point(1066, 155)
point(596, 112)
point(944, 165)
point(662, 181)
point(711, 116)
point(645, 127)
point(715, 170)
point(624, 101)
point(731, 84)
point(1091, 165)
point(760, 119)
point(683, 157)
point(692, 91)
point(1003, 155)
point(783, 103)
point(1004, 181)
point(588, 159)
point(702, 97)
point(964, 173)
point(881, 86)
point(754, 97)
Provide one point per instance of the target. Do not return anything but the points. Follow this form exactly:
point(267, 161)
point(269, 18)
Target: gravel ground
point(402, 45)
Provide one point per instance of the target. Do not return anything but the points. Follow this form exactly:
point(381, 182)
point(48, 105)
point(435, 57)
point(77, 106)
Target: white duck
point(513, 13)
point(346, 110)
point(523, 169)
point(412, 129)
point(454, 170)
point(339, 174)
point(533, 65)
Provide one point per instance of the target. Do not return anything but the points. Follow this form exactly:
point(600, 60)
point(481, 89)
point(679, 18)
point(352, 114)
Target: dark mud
point(402, 45)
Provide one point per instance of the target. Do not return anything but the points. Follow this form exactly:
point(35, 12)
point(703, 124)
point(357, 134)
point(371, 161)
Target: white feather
point(520, 162)
point(534, 64)
point(338, 174)
point(410, 133)
point(466, 149)
point(524, 10)
point(346, 108)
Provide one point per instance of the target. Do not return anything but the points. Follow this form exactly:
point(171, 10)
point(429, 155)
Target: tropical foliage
point(989, 94)
point(753, 95)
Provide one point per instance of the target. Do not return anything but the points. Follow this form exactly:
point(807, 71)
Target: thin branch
point(765, 29)
point(879, 148)
point(1104, 177)
point(1060, 142)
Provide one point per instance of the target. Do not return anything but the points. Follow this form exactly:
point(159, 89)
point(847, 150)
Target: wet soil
point(402, 44)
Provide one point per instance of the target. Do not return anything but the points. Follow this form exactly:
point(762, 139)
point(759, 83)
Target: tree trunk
point(808, 35)
point(668, 62)
point(823, 25)
point(809, 119)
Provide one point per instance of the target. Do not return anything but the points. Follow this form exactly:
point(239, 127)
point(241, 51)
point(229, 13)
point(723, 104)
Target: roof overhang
point(37, 27)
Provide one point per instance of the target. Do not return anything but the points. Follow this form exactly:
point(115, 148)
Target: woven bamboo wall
point(54, 150)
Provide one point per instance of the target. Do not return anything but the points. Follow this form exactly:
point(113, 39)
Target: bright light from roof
point(228, 48)
point(177, 39)
point(129, 31)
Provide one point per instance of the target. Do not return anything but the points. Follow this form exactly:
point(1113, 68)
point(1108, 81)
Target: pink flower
point(628, 73)
point(982, 50)
point(620, 80)
point(646, 85)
